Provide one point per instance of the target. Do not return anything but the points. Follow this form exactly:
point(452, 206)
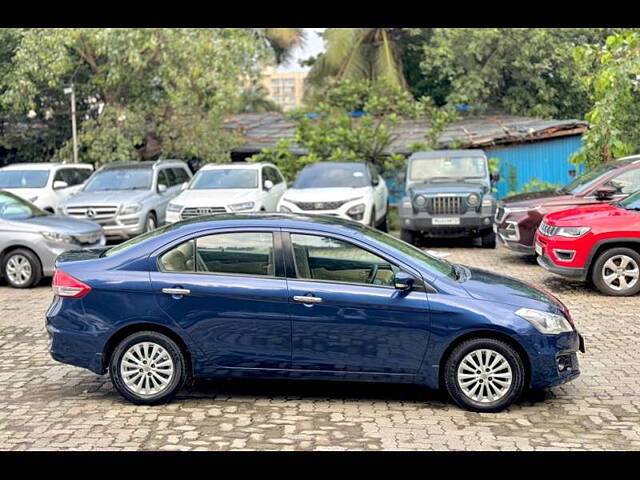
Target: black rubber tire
point(488, 240)
point(383, 226)
point(180, 369)
point(456, 356)
point(372, 220)
point(408, 236)
point(36, 267)
point(596, 272)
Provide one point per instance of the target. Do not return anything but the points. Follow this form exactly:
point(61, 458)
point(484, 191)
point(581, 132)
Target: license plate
point(445, 221)
point(539, 249)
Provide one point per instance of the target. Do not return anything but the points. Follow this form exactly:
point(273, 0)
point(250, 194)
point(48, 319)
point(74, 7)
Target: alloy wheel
point(150, 225)
point(19, 269)
point(147, 369)
point(484, 376)
point(620, 272)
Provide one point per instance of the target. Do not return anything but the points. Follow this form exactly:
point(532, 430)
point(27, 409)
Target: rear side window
point(241, 253)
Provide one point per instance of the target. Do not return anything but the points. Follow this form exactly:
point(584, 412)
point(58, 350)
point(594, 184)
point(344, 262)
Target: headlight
point(357, 212)
point(174, 207)
point(572, 232)
point(545, 322)
point(57, 237)
point(473, 199)
point(129, 209)
point(284, 209)
point(420, 201)
point(242, 206)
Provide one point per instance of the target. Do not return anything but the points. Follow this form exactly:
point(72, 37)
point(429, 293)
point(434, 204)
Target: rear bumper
point(569, 272)
point(75, 348)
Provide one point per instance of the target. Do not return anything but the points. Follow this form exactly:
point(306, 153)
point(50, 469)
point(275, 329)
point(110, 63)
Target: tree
point(611, 75)
point(355, 122)
point(526, 71)
point(282, 41)
point(254, 99)
point(142, 93)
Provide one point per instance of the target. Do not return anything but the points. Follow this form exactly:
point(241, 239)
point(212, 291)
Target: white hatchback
point(350, 190)
point(46, 185)
point(228, 188)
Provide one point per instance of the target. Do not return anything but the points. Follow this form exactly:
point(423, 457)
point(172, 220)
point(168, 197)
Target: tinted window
point(627, 182)
point(225, 178)
point(329, 259)
point(586, 180)
point(181, 175)
point(72, 176)
point(23, 178)
point(171, 177)
point(242, 253)
point(120, 179)
point(336, 175)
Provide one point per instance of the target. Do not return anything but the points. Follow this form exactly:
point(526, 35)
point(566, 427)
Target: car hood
point(324, 194)
point(56, 223)
point(447, 187)
point(533, 199)
point(492, 287)
point(591, 214)
point(214, 197)
point(110, 197)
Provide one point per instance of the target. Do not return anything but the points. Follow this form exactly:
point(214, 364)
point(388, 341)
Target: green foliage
point(526, 71)
point(141, 93)
point(336, 135)
point(611, 74)
point(535, 185)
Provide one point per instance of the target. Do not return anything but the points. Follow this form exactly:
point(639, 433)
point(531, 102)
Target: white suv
point(46, 185)
point(354, 191)
point(234, 187)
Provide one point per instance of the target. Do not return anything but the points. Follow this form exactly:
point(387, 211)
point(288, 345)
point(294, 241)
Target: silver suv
point(128, 199)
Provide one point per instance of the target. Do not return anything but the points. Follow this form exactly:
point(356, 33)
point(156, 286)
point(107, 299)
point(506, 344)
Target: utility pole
point(72, 90)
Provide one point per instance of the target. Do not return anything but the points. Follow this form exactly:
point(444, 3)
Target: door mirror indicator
point(605, 193)
point(403, 281)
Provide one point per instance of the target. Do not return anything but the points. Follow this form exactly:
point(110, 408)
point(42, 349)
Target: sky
point(313, 45)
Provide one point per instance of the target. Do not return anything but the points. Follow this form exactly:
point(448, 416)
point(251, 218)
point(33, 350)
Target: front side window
point(23, 178)
point(181, 175)
point(120, 179)
point(435, 169)
point(588, 179)
point(330, 259)
point(225, 178)
point(241, 253)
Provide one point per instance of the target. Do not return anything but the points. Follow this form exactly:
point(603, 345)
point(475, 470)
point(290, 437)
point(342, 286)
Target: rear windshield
point(327, 175)
point(23, 178)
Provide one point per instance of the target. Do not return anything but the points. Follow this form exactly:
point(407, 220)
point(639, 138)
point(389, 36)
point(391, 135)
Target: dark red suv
point(518, 216)
point(600, 243)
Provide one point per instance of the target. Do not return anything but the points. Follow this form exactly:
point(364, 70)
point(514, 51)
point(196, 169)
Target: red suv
point(600, 243)
point(518, 216)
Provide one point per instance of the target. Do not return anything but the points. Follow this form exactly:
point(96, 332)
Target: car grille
point(447, 206)
point(192, 212)
point(547, 230)
point(319, 205)
point(101, 214)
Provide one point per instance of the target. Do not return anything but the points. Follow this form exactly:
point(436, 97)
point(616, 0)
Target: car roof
point(43, 165)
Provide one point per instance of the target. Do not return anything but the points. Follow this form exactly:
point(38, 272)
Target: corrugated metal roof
point(263, 130)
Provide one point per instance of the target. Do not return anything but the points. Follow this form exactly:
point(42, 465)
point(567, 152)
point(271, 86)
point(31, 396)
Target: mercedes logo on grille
point(91, 213)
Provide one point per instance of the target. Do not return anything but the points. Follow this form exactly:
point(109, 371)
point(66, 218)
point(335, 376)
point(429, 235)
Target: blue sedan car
point(273, 295)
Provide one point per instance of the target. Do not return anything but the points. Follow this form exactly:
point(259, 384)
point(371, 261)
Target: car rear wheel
point(484, 375)
point(21, 268)
point(148, 368)
point(616, 272)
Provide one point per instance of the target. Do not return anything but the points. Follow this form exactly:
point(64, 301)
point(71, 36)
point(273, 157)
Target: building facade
point(285, 88)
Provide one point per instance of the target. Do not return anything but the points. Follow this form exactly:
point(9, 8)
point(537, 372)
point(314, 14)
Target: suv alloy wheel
point(616, 272)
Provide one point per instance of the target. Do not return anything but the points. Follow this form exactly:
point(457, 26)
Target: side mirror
point(605, 193)
point(495, 177)
point(58, 184)
point(403, 281)
point(375, 181)
point(268, 185)
point(402, 178)
point(162, 188)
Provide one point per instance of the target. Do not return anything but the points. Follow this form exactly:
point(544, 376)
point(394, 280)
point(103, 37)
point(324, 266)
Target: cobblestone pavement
point(47, 405)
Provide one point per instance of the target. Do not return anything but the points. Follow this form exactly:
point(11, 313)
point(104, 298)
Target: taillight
point(64, 285)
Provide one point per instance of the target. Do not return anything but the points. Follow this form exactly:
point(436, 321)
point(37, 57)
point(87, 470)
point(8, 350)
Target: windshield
point(120, 179)
point(632, 202)
point(586, 180)
point(431, 262)
point(425, 169)
point(23, 178)
point(225, 178)
point(326, 175)
point(13, 207)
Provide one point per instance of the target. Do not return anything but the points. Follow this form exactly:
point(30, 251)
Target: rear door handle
point(307, 299)
point(176, 291)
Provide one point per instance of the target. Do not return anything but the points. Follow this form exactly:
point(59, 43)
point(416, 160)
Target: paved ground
point(47, 405)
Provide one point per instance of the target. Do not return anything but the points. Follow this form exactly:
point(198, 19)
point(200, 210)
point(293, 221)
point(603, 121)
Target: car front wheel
point(616, 272)
point(148, 368)
point(21, 268)
point(484, 375)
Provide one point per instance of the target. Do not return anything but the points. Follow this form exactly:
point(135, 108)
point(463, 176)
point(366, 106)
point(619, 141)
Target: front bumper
point(469, 224)
point(569, 272)
point(340, 212)
point(124, 227)
point(554, 358)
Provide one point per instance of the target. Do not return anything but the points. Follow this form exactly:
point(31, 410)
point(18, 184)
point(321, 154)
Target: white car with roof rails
point(228, 188)
point(46, 185)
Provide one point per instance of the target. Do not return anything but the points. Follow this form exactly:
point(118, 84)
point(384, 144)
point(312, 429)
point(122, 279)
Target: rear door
point(228, 291)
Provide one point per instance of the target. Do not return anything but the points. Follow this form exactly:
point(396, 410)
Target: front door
point(223, 290)
point(346, 314)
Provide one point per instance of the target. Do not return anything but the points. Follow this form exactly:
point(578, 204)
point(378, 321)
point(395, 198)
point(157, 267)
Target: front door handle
point(176, 291)
point(307, 299)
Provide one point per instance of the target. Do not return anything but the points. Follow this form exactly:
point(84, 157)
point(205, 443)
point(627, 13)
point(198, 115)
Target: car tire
point(620, 257)
point(383, 226)
point(166, 379)
point(150, 222)
point(488, 240)
point(473, 389)
point(407, 236)
point(372, 220)
point(21, 268)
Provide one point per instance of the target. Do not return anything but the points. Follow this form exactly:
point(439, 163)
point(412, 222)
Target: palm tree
point(358, 54)
point(255, 99)
point(282, 41)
